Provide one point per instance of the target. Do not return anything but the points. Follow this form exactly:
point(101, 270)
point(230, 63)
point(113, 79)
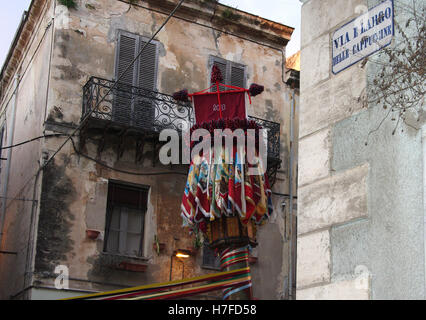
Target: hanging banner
point(207, 106)
point(363, 36)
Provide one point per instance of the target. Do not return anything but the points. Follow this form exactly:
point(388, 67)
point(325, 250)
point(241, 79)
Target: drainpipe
point(292, 245)
point(424, 193)
point(9, 158)
point(292, 253)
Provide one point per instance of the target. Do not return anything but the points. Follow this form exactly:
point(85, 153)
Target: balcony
point(133, 108)
point(128, 111)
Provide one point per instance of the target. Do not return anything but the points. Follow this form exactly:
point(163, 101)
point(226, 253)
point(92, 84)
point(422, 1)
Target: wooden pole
point(234, 259)
point(218, 98)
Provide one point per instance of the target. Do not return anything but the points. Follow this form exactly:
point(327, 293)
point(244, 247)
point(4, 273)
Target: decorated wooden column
point(226, 197)
point(233, 240)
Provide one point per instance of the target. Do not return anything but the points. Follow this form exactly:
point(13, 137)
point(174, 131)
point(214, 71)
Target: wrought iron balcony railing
point(273, 136)
point(150, 111)
point(134, 107)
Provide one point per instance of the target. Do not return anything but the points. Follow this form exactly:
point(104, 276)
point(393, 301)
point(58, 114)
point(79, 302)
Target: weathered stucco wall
point(24, 160)
point(73, 196)
point(361, 233)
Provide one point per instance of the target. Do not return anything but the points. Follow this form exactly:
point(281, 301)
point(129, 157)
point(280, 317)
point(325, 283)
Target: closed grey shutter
point(237, 76)
point(147, 66)
point(145, 108)
point(222, 67)
point(233, 73)
point(126, 53)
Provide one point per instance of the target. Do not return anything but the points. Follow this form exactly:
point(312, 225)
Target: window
point(233, 73)
point(1, 146)
point(125, 219)
point(210, 259)
point(1, 141)
point(138, 112)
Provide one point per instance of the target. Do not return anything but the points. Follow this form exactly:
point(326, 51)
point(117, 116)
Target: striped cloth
point(177, 289)
point(229, 258)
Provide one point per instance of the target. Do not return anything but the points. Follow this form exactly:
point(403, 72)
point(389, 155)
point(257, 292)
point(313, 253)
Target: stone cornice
point(207, 12)
point(228, 20)
point(20, 42)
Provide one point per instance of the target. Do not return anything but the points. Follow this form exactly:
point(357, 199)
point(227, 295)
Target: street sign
point(362, 36)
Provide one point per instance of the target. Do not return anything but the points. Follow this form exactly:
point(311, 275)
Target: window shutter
point(144, 108)
point(126, 53)
point(147, 66)
point(222, 68)
point(237, 76)
point(233, 73)
point(131, 107)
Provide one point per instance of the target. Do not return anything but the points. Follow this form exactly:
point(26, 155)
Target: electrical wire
point(99, 102)
point(19, 199)
point(125, 171)
point(113, 86)
point(34, 139)
point(284, 195)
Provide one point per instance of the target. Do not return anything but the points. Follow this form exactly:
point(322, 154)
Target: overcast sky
point(283, 11)
point(10, 17)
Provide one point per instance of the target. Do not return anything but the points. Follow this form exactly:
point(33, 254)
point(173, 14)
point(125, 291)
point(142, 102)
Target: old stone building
point(104, 206)
point(361, 231)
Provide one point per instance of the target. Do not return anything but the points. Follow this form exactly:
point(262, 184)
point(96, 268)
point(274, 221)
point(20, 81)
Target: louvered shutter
point(126, 53)
point(237, 76)
point(144, 108)
point(233, 73)
point(147, 66)
point(222, 68)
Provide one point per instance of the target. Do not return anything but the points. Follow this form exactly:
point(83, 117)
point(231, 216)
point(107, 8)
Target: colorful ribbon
point(167, 290)
point(230, 257)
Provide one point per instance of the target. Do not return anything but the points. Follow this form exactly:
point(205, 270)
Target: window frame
point(2, 133)
point(2, 136)
point(126, 109)
point(123, 232)
point(209, 266)
point(139, 38)
point(229, 65)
